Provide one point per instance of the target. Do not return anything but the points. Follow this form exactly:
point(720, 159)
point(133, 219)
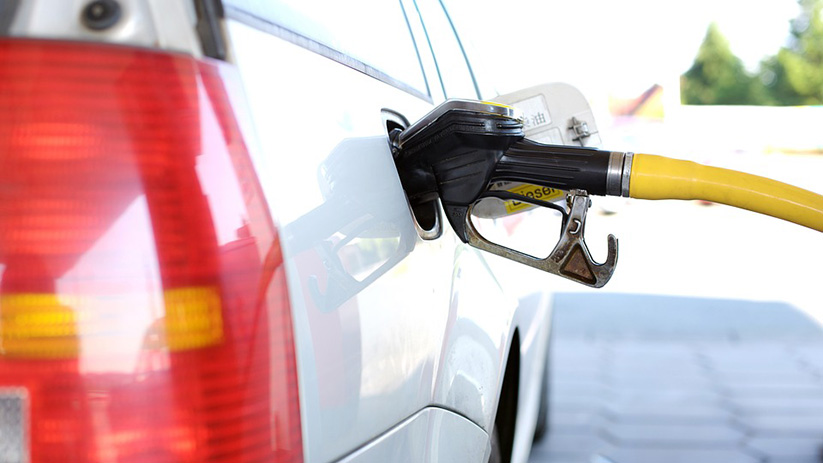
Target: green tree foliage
point(717, 76)
point(795, 75)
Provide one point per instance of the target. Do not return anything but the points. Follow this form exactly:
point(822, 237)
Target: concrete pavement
point(637, 379)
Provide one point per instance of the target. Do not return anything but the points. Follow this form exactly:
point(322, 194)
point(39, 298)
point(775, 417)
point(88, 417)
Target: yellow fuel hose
point(658, 177)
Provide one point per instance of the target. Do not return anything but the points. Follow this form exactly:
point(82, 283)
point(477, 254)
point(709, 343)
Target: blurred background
point(728, 83)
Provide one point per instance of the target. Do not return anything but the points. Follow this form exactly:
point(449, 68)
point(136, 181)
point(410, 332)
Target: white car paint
point(434, 329)
point(432, 435)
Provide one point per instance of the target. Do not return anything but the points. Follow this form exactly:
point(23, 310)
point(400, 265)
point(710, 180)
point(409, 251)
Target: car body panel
point(433, 435)
point(433, 328)
point(533, 317)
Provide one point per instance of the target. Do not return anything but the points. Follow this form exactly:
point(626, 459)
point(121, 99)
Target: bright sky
point(619, 47)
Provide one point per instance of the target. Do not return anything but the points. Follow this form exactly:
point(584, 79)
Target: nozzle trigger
point(570, 258)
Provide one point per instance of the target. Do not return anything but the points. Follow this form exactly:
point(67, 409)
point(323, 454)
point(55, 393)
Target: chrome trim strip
point(614, 173)
point(627, 174)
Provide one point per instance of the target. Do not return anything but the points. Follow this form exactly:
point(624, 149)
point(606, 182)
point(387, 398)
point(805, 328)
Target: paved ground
point(647, 379)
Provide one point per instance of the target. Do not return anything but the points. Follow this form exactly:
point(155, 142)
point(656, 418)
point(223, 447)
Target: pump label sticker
point(541, 193)
point(536, 112)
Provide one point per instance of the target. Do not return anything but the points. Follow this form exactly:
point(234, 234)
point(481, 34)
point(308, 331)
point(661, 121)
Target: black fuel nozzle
point(451, 154)
point(462, 147)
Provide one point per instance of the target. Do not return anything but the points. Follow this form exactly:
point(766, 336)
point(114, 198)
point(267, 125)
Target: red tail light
point(144, 313)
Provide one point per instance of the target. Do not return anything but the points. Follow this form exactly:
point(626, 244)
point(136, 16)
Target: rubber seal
point(101, 14)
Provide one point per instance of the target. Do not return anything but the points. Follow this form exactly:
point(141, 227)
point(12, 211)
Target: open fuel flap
point(556, 114)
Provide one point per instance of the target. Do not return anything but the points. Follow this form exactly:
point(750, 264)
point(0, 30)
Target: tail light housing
point(144, 312)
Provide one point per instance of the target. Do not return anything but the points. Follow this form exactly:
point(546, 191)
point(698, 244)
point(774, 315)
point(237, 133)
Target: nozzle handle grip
point(554, 166)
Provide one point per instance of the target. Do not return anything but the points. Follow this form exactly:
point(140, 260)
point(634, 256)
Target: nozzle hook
point(570, 258)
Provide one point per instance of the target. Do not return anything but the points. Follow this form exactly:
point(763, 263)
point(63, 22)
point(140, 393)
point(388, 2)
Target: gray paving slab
point(659, 369)
point(797, 376)
point(541, 454)
point(593, 374)
point(575, 449)
point(649, 348)
point(674, 435)
point(577, 403)
point(773, 367)
point(624, 357)
point(811, 356)
point(788, 447)
point(771, 390)
point(806, 459)
point(754, 351)
point(672, 414)
point(603, 315)
point(771, 363)
point(641, 379)
point(783, 425)
point(577, 386)
point(654, 382)
point(668, 396)
point(575, 422)
point(572, 356)
point(778, 405)
point(581, 348)
point(572, 445)
point(676, 455)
